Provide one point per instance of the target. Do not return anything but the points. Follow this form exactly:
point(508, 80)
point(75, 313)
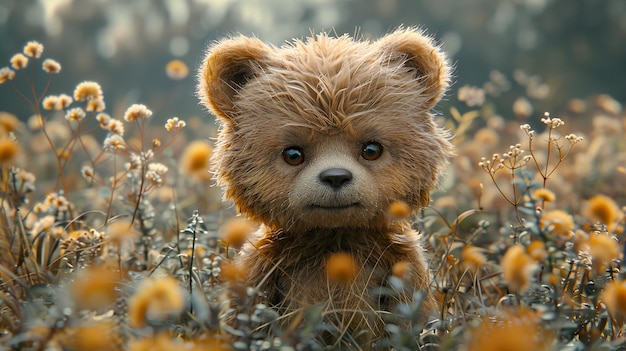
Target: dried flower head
point(51, 66)
point(63, 102)
point(603, 249)
point(113, 143)
point(614, 296)
point(195, 160)
point(471, 95)
point(557, 222)
point(236, 231)
point(49, 102)
point(515, 333)
point(87, 172)
point(103, 119)
point(176, 69)
point(537, 250)
point(608, 104)
point(233, 272)
point(517, 267)
point(174, 124)
point(155, 300)
point(401, 269)
point(522, 107)
point(6, 74)
point(87, 90)
point(8, 150)
point(92, 336)
point(573, 139)
point(159, 342)
point(399, 209)
point(472, 258)
point(8, 122)
point(551, 122)
point(136, 111)
point(341, 268)
point(19, 61)
point(543, 194)
point(155, 172)
point(487, 136)
point(76, 114)
point(119, 231)
point(95, 288)
point(95, 105)
point(527, 130)
point(603, 209)
point(115, 126)
point(33, 49)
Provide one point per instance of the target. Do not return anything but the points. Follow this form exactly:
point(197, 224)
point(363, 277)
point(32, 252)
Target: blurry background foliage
point(578, 48)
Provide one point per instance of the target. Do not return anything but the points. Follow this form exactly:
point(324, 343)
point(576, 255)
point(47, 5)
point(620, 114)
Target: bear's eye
point(293, 155)
point(371, 151)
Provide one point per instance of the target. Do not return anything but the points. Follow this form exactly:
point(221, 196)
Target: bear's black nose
point(335, 177)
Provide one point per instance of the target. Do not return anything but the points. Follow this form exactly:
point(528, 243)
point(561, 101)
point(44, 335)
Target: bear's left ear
point(417, 51)
point(228, 66)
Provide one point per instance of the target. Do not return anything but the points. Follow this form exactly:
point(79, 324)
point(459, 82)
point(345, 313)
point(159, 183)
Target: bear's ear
point(415, 50)
point(227, 67)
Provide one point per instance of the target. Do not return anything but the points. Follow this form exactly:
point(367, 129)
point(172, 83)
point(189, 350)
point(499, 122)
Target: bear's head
point(327, 132)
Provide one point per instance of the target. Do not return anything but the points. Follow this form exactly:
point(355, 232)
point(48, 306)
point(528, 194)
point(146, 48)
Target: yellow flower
point(51, 66)
point(119, 231)
point(174, 124)
point(49, 102)
point(33, 49)
point(236, 231)
point(87, 90)
point(6, 74)
point(8, 122)
point(19, 61)
point(401, 269)
point(159, 342)
point(603, 248)
point(115, 126)
point(486, 136)
point(399, 209)
point(517, 268)
point(155, 299)
point(195, 160)
point(176, 69)
point(95, 105)
point(537, 250)
point(543, 194)
point(8, 149)
point(95, 288)
point(233, 272)
point(63, 102)
point(515, 333)
point(603, 209)
point(341, 268)
point(472, 258)
point(93, 336)
point(614, 296)
point(76, 114)
point(136, 111)
point(557, 222)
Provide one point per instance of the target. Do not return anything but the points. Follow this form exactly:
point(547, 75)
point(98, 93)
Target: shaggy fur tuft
point(337, 102)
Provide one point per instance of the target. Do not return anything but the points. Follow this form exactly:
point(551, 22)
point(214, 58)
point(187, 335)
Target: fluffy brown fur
point(328, 97)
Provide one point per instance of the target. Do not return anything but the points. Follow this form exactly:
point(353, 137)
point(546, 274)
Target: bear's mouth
point(335, 207)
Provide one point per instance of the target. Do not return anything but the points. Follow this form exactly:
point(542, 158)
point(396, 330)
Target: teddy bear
point(317, 138)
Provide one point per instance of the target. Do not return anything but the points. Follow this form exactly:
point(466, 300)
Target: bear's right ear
point(227, 67)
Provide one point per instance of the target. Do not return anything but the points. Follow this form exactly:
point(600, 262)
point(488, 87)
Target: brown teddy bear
point(317, 138)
